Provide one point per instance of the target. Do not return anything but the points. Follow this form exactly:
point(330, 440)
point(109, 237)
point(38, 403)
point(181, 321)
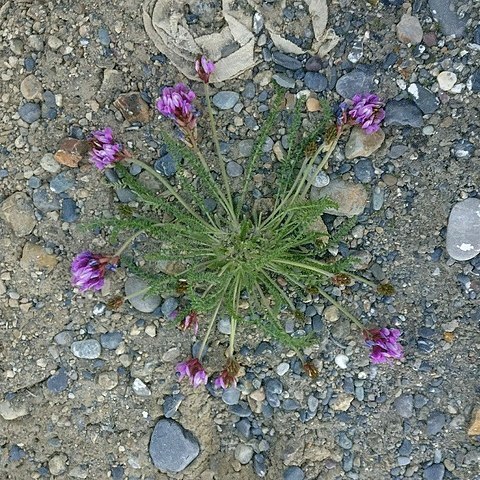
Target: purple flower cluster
point(177, 103)
point(194, 370)
point(105, 151)
point(88, 270)
point(366, 110)
point(384, 344)
point(225, 380)
point(190, 321)
point(204, 68)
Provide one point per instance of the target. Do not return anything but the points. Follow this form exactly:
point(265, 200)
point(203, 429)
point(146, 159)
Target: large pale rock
point(17, 211)
point(34, 257)
point(351, 198)
point(31, 88)
point(142, 302)
point(463, 231)
point(409, 30)
point(361, 144)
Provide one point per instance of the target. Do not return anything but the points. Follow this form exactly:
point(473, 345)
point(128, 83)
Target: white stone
point(140, 388)
point(341, 360)
point(446, 80)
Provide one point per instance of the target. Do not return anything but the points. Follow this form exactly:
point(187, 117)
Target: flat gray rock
point(172, 448)
point(444, 12)
point(463, 231)
point(143, 303)
point(88, 349)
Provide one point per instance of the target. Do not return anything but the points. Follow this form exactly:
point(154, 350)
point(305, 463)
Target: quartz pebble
point(446, 80)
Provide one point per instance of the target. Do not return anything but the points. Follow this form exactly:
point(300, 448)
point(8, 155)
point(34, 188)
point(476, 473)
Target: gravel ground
point(90, 393)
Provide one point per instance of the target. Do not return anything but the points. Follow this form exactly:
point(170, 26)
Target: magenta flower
point(191, 320)
point(194, 370)
point(384, 344)
point(177, 103)
point(366, 110)
point(88, 270)
point(204, 68)
point(104, 150)
point(225, 380)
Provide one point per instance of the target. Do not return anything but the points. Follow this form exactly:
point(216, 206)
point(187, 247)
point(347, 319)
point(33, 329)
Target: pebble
point(172, 448)
point(434, 472)
point(16, 453)
point(140, 388)
point(64, 338)
point(343, 441)
point(463, 149)
point(108, 380)
point(286, 61)
point(58, 382)
point(169, 306)
point(259, 465)
point(425, 100)
point(31, 88)
point(446, 80)
point(225, 100)
point(361, 144)
point(142, 303)
point(231, 396)
point(342, 361)
point(315, 81)
point(71, 151)
point(463, 230)
point(171, 404)
point(435, 423)
point(62, 182)
point(9, 411)
point(354, 82)
point(350, 197)
point(378, 198)
point(284, 80)
point(30, 112)
point(282, 369)
point(404, 405)
point(321, 180)
point(403, 112)
point(450, 22)
point(293, 473)
point(69, 210)
point(88, 349)
point(474, 81)
point(45, 200)
point(364, 171)
point(58, 464)
point(244, 426)
point(234, 169)
point(224, 325)
point(243, 453)
point(409, 30)
point(314, 64)
point(111, 340)
point(166, 165)
point(17, 211)
point(241, 409)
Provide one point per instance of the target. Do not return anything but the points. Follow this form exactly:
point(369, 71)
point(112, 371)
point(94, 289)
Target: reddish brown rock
point(71, 151)
point(133, 107)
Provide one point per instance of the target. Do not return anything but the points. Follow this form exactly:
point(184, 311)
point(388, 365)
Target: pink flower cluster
point(384, 344)
point(177, 103)
point(366, 110)
point(204, 68)
point(194, 370)
point(88, 270)
point(105, 151)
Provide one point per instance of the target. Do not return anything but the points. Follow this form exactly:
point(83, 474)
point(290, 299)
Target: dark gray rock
point(293, 473)
point(425, 345)
point(364, 170)
point(103, 36)
point(290, 405)
point(34, 182)
point(463, 230)
point(16, 453)
point(273, 385)
point(69, 210)
point(166, 165)
point(30, 112)
point(404, 405)
point(62, 182)
point(314, 64)
point(444, 12)
point(259, 465)
point(405, 448)
point(286, 61)
point(231, 396)
point(111, 340)
point(343, 441)
point(169, 306)
point(244, 426)
point(284, 80)
point(463, 149)
point(474, 81)
point(435, 422)
point(225, 100)
point(356, 81)
point(172, 448)
point(58, 382)
point(234, 169)
point(241, 409)
point(145, 303)
point(425, 100)
point(64, 338)
point(434, 472)
point(45, 200)
point(171, 404)
point(117, 472)
point(403, 112)
point(315, 81)
point(125, 195)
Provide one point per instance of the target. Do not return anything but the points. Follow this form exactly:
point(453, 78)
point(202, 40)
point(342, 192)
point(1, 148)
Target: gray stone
point(111, 340)
point(463, 149)
point(241, 409)
point(362, 144)
point(234, 169)
point(17, 212)
point(16, 453)
point(409, 30)
point(402, 461)
point(425, 100)
point(364, 171)
point(434, 472)
point(403, 112)
point(58, 382)
point(231, 396)
point(62, 182)
point(405, 448)
point(284, 80)
point(172, 448)
point(58, 464)
point(290, 405)
point(171, 404)
point(343, 441)
point(88, 349)
point(273, 385)
point(125, 195)
point(314, 64)
point(103, 36)
point(243, 453)
point(69, 210)
point(225, 100)
point(64, 338)
point(224, 325)
point(9, 411)
point(140, 388)
point(351, 198)
point(243, 426)
point(30, 112)
point(315, 81)
point(45, 200)
point(404, 405)
point(145, 303)
point(259, 465)
point(286, 61)
point(378, 198)
point(356, 81)
point(396, 151)
point(435, 422)
point(169, 306)
point(321, 180)
point(166, 165)
point(463, 230)
point(474, 81)
point(244, 148)
point(444, 13)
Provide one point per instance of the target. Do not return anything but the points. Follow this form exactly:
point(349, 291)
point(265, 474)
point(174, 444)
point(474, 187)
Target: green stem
point(355, 320)
point(136, 294)
point(126, 243)
point(358, 278)
point(233, 327)
point(209, 330)
point(305, 266)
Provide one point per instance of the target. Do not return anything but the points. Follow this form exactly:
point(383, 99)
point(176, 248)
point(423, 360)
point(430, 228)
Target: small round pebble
point(293, 473)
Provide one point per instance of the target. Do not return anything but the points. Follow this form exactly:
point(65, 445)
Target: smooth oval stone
point(88, 349)
point(463, 231)
point(143, 303)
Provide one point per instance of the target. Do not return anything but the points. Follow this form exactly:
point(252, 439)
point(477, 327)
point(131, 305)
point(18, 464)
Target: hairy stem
point(209, 330)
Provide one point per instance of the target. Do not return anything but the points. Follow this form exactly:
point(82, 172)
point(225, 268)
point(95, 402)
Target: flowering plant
point(235, 257)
